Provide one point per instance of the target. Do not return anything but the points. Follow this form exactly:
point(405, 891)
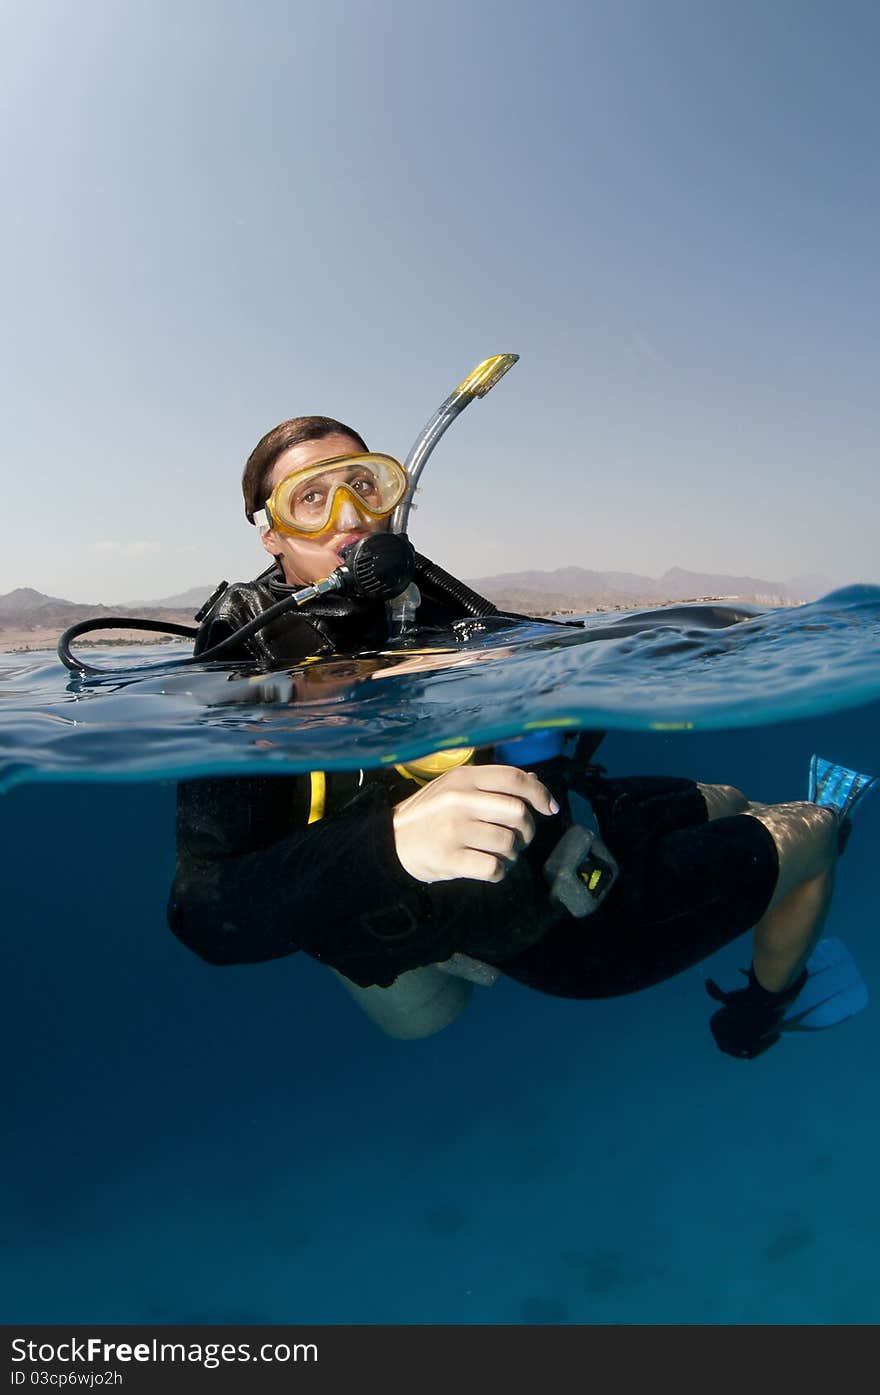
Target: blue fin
point(836, 787)
point(834, 990)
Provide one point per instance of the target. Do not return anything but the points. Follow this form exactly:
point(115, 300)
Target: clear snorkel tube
point(402, 609)
point(476, 384)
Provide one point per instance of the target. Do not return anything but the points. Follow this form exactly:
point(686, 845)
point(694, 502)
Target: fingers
point(499, 840)
point(504, 810)
point(480, 866)
point(509, 780)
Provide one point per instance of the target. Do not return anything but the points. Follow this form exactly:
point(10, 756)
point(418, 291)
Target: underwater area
point(191, 1144)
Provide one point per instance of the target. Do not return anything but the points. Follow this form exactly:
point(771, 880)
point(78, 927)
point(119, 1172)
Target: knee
point(805, 835)
point(722, 800)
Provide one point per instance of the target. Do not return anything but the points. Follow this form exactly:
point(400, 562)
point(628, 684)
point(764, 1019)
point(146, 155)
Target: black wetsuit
point(256, 881)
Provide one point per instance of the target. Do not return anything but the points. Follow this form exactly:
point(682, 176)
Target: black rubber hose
point(119, 622)
point(379, 565)
point(450, 587)
point(114, 622)
point(474, 604)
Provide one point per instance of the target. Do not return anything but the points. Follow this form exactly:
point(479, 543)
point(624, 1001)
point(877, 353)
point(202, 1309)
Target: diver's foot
point(750, 1022)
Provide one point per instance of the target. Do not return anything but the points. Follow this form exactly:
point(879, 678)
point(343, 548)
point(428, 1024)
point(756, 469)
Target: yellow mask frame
point(387, 485)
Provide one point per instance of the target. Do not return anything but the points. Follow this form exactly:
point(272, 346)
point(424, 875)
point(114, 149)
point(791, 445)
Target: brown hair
point(279, 439)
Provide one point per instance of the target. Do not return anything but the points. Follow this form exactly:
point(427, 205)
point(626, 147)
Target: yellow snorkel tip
point(486, 374)
point(478, 382)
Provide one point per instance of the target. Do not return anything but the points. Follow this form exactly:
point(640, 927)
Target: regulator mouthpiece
point(378, 567)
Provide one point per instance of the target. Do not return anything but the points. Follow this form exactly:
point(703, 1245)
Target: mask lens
point(305, 501)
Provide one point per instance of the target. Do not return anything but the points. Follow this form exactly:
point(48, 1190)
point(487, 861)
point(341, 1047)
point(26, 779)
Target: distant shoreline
point(21, 640)
point(37, 641)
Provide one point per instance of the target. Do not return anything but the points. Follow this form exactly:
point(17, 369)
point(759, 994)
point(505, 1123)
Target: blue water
point(191, 1144)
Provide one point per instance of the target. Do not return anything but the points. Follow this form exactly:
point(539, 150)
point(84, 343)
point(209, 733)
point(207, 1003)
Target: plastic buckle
point(580, 871)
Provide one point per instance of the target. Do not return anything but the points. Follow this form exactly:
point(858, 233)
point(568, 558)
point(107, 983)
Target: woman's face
point(306, 560)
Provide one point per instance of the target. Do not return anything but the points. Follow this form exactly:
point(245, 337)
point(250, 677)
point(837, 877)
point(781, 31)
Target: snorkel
point(401, 609)
point(478, 383)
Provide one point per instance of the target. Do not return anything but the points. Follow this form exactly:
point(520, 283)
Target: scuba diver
point(525, 860)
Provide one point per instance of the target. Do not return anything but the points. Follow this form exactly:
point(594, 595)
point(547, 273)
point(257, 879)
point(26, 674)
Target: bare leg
point(806, 842)
point(787, 935)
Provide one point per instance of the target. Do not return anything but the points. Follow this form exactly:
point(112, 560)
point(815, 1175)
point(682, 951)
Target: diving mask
point(308, 501)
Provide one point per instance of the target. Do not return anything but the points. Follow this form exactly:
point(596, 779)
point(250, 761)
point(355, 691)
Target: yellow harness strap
point(427, 768)
point(318, 795)
point(422, 771)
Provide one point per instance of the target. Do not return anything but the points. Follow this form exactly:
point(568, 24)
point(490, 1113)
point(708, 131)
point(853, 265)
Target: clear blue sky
point(219, 213)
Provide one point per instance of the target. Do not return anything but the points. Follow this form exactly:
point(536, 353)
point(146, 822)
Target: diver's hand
point(472, 822)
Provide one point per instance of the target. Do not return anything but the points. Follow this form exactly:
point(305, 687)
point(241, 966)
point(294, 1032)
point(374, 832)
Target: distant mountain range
point(28, 610)
point(572, 589)
point(578, 589)
point(581, 589)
